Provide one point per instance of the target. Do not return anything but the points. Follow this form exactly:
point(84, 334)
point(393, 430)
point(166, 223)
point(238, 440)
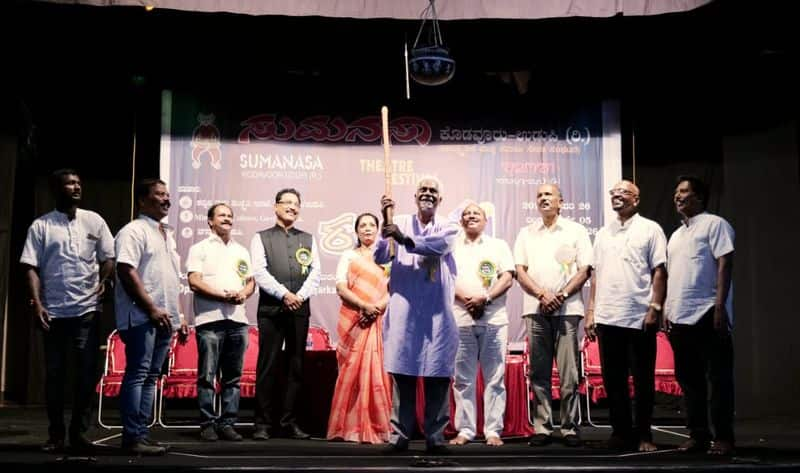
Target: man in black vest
point(286, 268)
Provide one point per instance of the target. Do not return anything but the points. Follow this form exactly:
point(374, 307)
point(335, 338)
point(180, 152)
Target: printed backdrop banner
point(212, 152)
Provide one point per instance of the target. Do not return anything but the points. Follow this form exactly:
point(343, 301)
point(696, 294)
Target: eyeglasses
point(289, 204)
point(624, 192)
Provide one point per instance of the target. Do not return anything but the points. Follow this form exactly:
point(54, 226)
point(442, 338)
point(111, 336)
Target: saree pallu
point(361, 405)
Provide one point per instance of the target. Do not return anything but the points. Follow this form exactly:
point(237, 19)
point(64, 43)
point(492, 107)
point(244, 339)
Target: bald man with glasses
point(624, 313)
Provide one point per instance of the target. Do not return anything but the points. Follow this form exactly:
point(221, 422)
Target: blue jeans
point(146, 348)
point(220, 348)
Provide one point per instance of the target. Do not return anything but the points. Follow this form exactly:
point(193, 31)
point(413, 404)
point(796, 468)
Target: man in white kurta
point(700, 319)
point(553, 256)
point(485, 269)
point(420, 337)
point(628, 287)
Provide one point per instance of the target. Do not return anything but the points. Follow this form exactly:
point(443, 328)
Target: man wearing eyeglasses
point(553, 257)
point(286, 268)
point(625, 303)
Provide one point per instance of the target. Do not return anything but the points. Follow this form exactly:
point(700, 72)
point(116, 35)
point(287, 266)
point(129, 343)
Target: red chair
point(555, 382)
point(665, 367)
point(111, 380)
point(318, 339)
point(593, 377)
point(180, 382)
point(247, 383)
point(665, 380)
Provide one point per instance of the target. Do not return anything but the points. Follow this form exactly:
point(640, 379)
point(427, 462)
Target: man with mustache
point(220, 276)
point(485, 269)
point(147, 310)
point(286, 268)
point(553, 257)
point(628, 288)
point(699, 317)
point(419, 331)
point(68, 260)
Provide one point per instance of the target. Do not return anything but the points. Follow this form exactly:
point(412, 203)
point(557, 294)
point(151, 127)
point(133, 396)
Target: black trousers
point(624, 350)
point(74, 337)
point(704, 358)
point(291, 329)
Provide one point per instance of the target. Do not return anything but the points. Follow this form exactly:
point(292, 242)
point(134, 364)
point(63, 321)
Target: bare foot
point(645, 446)
point(493, 441)
point(459, 440)
point(721, 448)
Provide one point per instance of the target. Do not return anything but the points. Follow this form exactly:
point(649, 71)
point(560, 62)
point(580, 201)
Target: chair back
point(318, 339)
point(251, 354)
point(665, 359)
point(115, 355)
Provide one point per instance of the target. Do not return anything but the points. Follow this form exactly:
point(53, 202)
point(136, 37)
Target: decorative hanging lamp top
point(430, 62)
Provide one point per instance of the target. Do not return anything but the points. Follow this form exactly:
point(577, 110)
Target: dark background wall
point(712, 92)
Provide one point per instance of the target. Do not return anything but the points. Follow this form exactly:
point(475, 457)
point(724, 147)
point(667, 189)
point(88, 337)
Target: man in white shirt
point(146, 302)
point(220, 276)
point(68, 260)
point(553, 256)
point(700, 319)
point(485, 271)
point(628, 288)
point(286, 268)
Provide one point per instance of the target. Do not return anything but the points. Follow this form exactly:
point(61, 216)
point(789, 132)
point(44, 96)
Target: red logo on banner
point(323, 128)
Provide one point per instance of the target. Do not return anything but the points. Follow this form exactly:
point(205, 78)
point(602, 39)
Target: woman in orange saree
point(361, 404)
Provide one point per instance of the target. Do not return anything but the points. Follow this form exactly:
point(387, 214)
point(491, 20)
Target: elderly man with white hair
point(419, 331)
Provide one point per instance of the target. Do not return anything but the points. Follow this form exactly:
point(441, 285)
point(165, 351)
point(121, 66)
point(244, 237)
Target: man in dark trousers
point(286, 268)
point(68, 261)
point(699, 317)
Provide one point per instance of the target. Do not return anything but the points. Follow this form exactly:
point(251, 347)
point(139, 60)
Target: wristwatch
point(656, 306)
point(564, 294)
point(488, 298)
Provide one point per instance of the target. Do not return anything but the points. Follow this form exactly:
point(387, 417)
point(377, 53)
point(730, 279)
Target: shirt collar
point(154, 223)
point(423, 226)
point(64, 215)
point(218, 239)
point(689, 221)
point(617, 226)
point(478, 241)
point(540, 226)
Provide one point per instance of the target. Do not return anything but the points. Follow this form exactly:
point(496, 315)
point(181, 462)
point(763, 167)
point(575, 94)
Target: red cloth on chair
point(665, 381)
point(318, 339)
point(592, 369)
point(515, 421)
point(665, 367)
point(111, 380)
point(181, 378)
point(247, 383)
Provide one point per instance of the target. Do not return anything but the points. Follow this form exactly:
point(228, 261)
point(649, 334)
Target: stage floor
point(763, 445)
